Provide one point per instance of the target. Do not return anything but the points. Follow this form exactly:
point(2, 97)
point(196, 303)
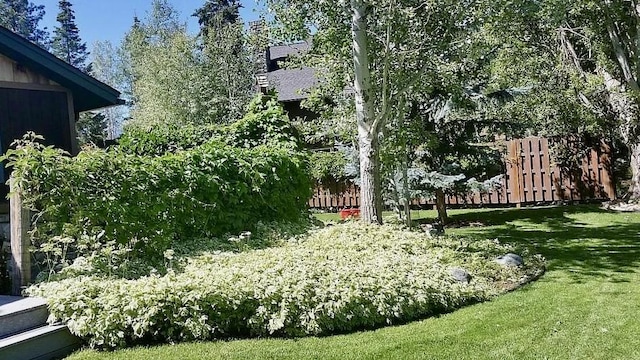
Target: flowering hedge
point(338, 279)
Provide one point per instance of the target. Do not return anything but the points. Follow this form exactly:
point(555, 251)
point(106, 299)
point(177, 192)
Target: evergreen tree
point(67, 44)
point(217, 12)
point(23, 17)
point(92, 128)
point(227, 57)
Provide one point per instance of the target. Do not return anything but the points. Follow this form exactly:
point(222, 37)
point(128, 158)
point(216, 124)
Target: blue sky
point(111, 19)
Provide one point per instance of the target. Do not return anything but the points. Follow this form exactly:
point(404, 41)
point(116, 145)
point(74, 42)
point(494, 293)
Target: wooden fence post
point(20, 241)
point(514, 158)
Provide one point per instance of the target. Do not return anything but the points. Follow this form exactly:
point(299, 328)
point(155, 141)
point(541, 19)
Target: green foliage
point(265, 120)
point(342, 278)
point(583, 308)
point(229, 68)
point(91, 128)
point(180, 79)
point(264, 123)
point(215, 13)
point(139, 205)
point(66, 43)
point(170, 83)
point(171, 138)
point(327, 166)
point(109, 64)
point(23, 18)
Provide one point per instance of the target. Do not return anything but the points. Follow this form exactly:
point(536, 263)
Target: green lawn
point(585, 307)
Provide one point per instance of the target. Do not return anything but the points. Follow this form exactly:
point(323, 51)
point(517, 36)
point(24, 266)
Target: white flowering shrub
point(338, 279)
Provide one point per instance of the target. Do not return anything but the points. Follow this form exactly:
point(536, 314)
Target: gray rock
point(510, 260)
point(460, 275)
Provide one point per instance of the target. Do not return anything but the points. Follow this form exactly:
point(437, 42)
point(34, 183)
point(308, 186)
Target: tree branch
point(619, 52)
point(380, 119)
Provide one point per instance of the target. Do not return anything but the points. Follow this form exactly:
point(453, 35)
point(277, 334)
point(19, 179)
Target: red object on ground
point(347, 213)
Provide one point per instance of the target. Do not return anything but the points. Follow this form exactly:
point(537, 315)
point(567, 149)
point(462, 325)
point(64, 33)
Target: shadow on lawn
point(602, 248)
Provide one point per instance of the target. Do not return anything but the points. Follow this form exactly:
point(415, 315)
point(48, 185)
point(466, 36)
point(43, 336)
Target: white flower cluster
point(342, 278)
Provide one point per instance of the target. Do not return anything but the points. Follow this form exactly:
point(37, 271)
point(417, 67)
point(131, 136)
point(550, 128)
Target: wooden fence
point(531, 177)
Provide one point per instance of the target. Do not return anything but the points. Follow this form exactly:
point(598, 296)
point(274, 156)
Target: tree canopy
point(23, 17)
point(217, 12)
point(67, 44)
point(178, 78)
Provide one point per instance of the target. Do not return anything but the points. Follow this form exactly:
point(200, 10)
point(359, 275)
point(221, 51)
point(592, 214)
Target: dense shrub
point(338, 279)
point(265, 123)
point(140, 204)
point(327, 167)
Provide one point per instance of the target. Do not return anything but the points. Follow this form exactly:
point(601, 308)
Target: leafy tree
point(170, 85)
point(66, 43)
point(608, 31)
point(162, 69)
point(582, 59)
point(160, 23)
point(445, 146)
point(23, 18)
point(227, 59)
point(108, 66)
point(390, 45)
point(182, 79)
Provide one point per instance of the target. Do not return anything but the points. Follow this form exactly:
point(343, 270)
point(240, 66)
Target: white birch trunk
point(370, 194)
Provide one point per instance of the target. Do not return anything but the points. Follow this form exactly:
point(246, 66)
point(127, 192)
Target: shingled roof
point(88, 92)
point(292, 84)
point(281, 52)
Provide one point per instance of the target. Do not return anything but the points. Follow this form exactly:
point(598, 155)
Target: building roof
point(88, 92)
point(281, 52)
point(292, 84)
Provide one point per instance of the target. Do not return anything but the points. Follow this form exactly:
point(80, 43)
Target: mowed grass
point(585, 307)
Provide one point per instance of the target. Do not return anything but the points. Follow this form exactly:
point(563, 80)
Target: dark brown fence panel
point(531, 176)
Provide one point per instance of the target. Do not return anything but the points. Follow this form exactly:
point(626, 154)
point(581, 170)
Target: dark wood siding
point(44, 112)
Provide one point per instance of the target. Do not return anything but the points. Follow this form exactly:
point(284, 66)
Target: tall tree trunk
point(397, 200)
point(370, 194)
point(406, 195)
point(628, 113)
point(441, 206)
point(634, 187)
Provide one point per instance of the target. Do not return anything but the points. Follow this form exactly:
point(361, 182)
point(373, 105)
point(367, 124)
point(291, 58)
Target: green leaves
point(140, 205)
point(66, 43)
point(265, 123)
point(343, 278)
point(23, 18)
point(328, 167)
point(178, 79)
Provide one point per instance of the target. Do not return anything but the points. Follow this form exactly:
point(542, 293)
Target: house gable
point(12, 72)
point(88, 93)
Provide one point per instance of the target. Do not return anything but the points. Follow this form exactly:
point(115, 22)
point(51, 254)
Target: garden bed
point(333, 280)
